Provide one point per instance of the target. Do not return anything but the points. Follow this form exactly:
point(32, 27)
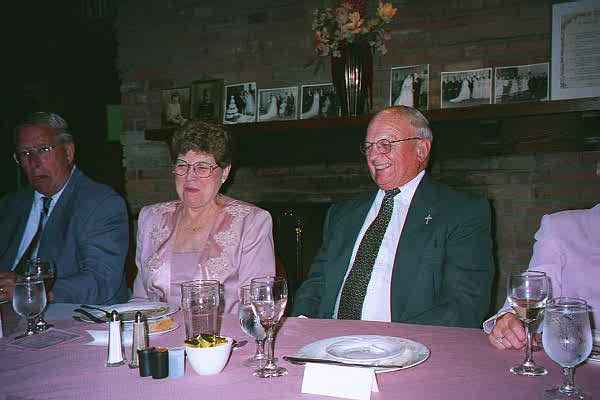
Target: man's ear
point(70, 150)
point(423, 149)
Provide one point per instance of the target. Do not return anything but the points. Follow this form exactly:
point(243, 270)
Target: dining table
point(462, 365)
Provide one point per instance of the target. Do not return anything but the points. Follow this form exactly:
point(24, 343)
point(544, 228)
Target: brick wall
point(165, 44)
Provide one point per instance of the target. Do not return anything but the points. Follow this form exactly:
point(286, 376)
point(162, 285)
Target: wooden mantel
point(489, 130)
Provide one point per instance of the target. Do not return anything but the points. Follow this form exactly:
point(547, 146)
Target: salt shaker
point(140, 339)
point(115, 344)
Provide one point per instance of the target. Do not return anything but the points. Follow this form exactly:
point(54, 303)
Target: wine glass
point(527, 295)
point(269, 298)
point(250, 324)
point(45, 270)
point(29, 300)
point(567, 340)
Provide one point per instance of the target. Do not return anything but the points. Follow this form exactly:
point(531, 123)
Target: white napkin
point(101, 337)
point(354, 383)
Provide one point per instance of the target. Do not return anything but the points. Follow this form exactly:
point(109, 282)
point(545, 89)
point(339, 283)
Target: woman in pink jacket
point(204, 234)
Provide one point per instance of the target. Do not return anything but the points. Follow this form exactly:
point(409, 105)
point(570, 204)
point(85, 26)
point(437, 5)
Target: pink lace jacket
point(239, 248)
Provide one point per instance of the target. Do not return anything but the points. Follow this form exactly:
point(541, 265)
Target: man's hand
point(7, 285)
point(508, 333)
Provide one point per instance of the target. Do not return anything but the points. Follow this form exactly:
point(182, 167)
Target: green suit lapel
point(416, 231)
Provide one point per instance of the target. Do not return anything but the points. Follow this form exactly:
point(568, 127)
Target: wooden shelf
point(521, 128)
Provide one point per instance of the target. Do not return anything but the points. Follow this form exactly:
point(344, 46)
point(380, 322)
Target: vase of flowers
point(344, 34)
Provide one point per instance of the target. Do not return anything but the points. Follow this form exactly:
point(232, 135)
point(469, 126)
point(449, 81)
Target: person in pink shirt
point(567, 249)
point(203, 234)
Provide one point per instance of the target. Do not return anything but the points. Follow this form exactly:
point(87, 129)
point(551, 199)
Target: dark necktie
point(355, 287)
point(35, 241)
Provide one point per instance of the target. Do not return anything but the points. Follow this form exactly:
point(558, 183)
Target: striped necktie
point(35, 241)
point(355, 286)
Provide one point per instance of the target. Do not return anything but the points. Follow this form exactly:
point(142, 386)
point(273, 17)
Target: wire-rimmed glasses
point(383, 146)
point(41, 151)
point(201, 169)
point(527, 295)
point(269, 299)
point(567, 341)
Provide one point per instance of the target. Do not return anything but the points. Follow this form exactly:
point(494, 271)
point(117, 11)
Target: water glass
point(29, 300)
point(250, 324)
point(527, 295)
point(567, 341)
point(45, 270)
point(200, 301)
point(269, 298)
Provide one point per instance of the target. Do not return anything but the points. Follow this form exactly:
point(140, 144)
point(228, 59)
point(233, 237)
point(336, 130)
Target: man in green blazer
point(421, 254)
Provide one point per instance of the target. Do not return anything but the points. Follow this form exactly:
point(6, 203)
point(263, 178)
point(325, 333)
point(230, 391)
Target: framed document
point(576, 49)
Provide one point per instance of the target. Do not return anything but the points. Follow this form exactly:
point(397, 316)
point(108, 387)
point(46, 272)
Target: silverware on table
point(304, 360)
point(107, 313)
point(90, 316)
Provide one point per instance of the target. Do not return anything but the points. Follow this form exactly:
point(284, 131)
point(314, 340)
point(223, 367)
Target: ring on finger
point(499, 339)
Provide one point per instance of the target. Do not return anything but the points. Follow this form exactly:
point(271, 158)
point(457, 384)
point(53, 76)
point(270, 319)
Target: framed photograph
point(278, 104)
point(518, 83)
point(240, 103)
point(175, 106)
point(318, 101)
point(466, 88)
point(575, 49)
point(409, 86)
point(207, 99)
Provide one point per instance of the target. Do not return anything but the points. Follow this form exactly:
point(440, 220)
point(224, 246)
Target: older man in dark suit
point(64, 217)
point(414, 251)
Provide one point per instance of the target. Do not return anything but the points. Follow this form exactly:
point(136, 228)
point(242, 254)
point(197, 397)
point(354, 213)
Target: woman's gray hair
point(49, 119)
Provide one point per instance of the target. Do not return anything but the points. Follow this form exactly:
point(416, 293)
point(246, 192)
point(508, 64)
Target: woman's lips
point(191, 189)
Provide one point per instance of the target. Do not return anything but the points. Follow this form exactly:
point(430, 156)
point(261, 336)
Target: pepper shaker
point(140, 339)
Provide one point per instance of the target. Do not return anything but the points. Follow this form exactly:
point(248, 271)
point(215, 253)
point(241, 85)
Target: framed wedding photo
point(278, 104)
point(239, 103)
point(175, 106)
point(466, 88)
point(318, 101)
point(207, 100)
point(519, 83)
point(409, 86)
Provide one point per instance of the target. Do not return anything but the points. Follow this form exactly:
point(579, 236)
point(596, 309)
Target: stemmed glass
point(29, 300)
point(46, 271)
point(251, 326)
point(269, 298)
point(567, 340)
point(527, 295)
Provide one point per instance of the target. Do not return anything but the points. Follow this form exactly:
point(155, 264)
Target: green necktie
point(35, 241)
point(355, 287)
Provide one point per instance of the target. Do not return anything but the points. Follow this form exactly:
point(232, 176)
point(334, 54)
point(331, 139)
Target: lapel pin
point(428, 219)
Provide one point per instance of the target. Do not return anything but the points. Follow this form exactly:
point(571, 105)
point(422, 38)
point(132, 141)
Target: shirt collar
point(407, 191)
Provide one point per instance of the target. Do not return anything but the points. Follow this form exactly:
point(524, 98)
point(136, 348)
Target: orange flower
point(386, 11)
point(354, 24)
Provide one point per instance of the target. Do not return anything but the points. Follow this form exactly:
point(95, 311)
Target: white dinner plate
point(368, 349)
point(151, 310)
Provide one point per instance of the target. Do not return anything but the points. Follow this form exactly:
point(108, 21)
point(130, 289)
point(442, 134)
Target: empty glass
point(269, 298)
point(567, 340)
point(29, 300)
point(200, 304)
point(250, 324)
point(527, 295)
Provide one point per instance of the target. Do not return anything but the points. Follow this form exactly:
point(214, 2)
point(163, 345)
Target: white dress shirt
point(377, 306)
point(34, 220)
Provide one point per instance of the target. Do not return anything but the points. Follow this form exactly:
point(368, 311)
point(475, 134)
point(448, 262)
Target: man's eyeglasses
point(201, 169)
point(383, 146)
point(40, 151)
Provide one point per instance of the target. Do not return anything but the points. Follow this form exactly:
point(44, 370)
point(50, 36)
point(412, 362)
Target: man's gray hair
point(418, 121)
point(49, 119)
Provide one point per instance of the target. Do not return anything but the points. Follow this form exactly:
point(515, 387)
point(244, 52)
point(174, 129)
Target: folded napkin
point(100, 338)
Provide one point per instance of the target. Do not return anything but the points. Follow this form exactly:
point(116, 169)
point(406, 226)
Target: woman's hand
point(508, 333)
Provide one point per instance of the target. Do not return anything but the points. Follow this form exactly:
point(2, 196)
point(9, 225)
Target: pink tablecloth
point(462, 366)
